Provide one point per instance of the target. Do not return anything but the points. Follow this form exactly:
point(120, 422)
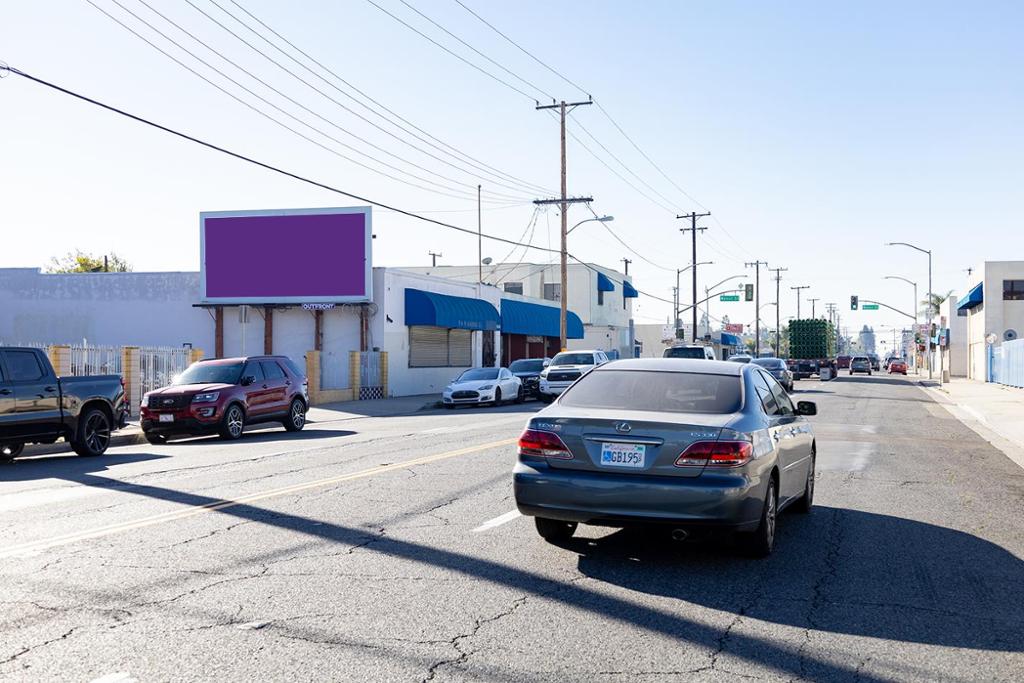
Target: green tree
point(936, 301)
point(80, 262)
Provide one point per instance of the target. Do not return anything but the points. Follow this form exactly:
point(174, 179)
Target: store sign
point(729, 297)
point(318, 307)
point(734, 328)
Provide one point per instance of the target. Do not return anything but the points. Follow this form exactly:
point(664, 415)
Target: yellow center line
point(213, 506)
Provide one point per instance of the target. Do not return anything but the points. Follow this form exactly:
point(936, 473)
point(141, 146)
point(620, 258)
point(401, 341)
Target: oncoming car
point(565, 368)
point(860, 364)
point(483, 386)
point(691, 444)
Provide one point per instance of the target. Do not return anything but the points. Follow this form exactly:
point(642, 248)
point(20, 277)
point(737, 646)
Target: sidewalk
point(989, 409)
point(328, 412)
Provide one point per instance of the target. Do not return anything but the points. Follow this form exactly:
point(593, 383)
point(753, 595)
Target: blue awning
point(604, 283)
point(731, 340)
point(442, 310)
point(628, 292)
point(974, 298)
point(522, 317)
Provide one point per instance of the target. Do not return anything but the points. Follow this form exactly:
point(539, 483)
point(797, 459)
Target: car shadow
point(875, 379)
point(68, 466)
point(836, 570)
point(262, 436)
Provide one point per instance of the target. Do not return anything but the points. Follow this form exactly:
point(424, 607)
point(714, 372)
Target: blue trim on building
point(442, 310)
point(975, 297)
point(523, 317)
point(604, 283)
point(628, 291)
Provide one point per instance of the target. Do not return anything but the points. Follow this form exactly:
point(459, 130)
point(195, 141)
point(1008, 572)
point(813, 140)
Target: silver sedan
point(694, 444)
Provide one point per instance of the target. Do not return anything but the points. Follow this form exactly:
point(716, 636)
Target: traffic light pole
point(757, 304)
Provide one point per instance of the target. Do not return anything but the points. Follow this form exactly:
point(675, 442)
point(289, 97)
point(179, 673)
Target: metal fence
point(96, 360)
point(1006, 363)
point(159, 365)
point(371, 376)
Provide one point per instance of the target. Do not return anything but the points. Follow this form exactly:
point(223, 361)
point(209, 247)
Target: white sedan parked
point(484, 385)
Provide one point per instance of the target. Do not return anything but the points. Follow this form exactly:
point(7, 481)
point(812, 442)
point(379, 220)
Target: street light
point(911, 282)
point(707, 290)
point(597, 219)
point(680, 271)
point(928, 358)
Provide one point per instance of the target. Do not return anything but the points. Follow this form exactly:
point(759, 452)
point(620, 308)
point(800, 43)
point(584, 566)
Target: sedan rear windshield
point(210, 373)
point(672, 392)
point(573, 359)
point(685, 352)
point(770, 363)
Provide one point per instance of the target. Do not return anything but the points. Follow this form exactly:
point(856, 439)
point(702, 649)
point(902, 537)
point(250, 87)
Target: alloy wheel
point(97, 433)
point(235, 422)
point(769, 517)
point(298, 415)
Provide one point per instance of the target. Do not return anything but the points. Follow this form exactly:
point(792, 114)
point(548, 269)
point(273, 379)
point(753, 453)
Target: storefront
point(533, 330)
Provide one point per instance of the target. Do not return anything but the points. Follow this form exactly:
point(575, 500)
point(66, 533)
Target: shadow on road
point(263, 436)
point(836, 570)
point(70, 467)
point(873, 379)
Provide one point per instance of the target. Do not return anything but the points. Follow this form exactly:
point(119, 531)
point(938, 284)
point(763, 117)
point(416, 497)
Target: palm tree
point(936, 301)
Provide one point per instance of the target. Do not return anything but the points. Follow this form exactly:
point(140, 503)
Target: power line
point(500, 66)
point(324, 94)
point(295, 176)
point(271, 118)
point(453, 54)
point(470, 159)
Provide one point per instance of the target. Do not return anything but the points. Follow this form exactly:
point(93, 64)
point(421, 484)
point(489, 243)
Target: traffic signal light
point(853, 302)
point(748, 291)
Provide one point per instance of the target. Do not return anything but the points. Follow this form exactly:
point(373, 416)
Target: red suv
point(225, 394)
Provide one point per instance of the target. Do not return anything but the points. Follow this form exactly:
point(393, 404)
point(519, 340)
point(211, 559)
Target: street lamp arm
point(897, 277)
point(680, 271)
point(597, 219)
point(732, 277)
point(879, 303)
point(724, 291)
point(907, 244)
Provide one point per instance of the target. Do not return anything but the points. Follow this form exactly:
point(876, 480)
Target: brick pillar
point(354, 380)
point(197, 355)
point(268, 330)
point(313, 375)
point(60, 358)
point(218, 332)
point(131, 372)
point(384, 373)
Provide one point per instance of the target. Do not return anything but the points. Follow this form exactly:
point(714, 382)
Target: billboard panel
point(286, 256)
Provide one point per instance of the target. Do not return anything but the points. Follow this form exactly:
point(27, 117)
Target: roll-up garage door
point(460, 348)
point(428, 347)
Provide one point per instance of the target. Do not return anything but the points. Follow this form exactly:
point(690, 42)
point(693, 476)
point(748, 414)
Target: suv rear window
point(573, 359)
point(685, 352)
point(673, 392)
point(293, 367)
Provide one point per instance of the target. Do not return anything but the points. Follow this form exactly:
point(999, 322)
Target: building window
point(600, 297)
point(553, 291)
point(1013, 290)
point(439, 347)
point(514, 287)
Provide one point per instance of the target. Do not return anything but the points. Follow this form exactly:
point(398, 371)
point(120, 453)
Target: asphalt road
point(387, 549)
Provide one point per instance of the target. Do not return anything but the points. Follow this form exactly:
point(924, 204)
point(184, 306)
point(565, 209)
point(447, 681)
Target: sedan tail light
point(716, 454)
point(540, 444)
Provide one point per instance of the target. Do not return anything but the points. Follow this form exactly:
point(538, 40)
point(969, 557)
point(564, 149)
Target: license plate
point(623, 455)
point(166, 417)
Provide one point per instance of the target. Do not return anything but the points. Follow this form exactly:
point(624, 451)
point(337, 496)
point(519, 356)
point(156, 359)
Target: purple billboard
point(286, 256)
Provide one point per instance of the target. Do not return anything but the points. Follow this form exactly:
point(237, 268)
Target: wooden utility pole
point(797, 290)
point(626, 261)
point(778, 316)
point(693, 216)
point(813, 309)
point(563, 108)
point(757, 304)
point(479, 237)
point(433, 257)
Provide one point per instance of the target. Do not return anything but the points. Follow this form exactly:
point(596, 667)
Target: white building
point(600, 296)
point(955, 350)
point(994, 304)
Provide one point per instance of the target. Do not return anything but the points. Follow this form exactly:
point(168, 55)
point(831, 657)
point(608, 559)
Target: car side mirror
point(806, 408)
point(247, 380)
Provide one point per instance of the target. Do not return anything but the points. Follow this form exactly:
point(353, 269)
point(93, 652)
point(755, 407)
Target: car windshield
point(527, 366)
point(860, 359)
point(478, 373)
point(740, 359)
point(685, 352)
point(673, 392)
point(770, 363)
point(573, 359)
point(210, 373)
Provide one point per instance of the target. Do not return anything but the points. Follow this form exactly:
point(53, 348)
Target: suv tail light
point(539, 444)
point(716, 454)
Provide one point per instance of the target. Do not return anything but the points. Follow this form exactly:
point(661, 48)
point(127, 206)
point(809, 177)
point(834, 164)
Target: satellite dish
point(991, 339)
point(1009, 335)
point(487, 260)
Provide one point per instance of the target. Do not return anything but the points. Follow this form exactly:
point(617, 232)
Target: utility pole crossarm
point(693, 216)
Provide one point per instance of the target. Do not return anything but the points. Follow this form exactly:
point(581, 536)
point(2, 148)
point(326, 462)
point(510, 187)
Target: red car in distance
point(223, 395)
point(843, 362)
point(898, 367)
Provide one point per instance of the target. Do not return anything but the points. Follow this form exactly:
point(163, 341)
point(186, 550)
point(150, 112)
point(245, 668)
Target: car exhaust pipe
point(679, 534)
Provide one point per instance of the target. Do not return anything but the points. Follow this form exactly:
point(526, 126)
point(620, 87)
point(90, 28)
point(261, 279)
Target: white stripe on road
point(498, 521)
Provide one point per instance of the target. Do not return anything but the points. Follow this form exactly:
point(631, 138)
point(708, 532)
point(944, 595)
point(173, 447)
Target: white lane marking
point(498, 521)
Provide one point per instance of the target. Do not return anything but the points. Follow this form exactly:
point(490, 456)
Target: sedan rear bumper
point(726, 500)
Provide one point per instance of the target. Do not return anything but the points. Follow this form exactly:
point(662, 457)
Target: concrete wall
point(653, 337)
point(121, 309)
point(390, 333)
point(995, 315)
point(956, 357)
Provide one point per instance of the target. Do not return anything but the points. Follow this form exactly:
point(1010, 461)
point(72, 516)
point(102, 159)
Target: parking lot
point(388, 548)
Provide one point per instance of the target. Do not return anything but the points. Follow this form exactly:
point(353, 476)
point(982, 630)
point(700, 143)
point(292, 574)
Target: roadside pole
point(693, 216)
point(757, 304)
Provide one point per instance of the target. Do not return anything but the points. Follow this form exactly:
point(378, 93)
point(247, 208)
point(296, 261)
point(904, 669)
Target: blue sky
point(814, 132)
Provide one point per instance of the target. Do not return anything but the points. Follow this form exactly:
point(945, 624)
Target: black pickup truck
point(36, 406)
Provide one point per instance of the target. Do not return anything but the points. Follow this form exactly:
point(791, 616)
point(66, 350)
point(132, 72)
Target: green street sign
point(729, 297)
point(869, 307)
